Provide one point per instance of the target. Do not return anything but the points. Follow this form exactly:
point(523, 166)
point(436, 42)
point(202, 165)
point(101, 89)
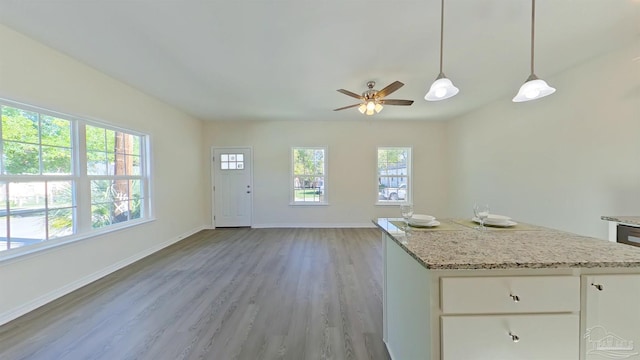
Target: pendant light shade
point(533, 88)
point(442, 88)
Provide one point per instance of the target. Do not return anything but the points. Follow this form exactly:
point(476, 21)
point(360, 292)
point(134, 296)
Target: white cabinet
point(612, 320)
point(510, 317)
point(522, 337)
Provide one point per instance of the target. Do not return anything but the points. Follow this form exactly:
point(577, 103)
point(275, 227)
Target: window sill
point(390, 203)
point(308, 204)
point(14, 254)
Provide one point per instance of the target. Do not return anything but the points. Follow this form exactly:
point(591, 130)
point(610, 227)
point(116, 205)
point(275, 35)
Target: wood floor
point(222, 294)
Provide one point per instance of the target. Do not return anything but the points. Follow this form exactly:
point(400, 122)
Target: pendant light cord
point(442, 32)
point(533, 22)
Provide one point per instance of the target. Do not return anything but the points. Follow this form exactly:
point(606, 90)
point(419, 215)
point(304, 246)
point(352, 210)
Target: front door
point(232, 187)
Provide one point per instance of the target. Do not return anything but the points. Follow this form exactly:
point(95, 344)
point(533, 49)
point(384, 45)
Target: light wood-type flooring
point(222, 294)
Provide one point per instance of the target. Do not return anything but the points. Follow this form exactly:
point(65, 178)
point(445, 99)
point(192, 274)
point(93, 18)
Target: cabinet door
point(502, 337)
point(612, 320)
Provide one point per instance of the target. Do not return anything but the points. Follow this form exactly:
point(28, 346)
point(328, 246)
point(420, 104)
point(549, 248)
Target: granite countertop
point(459, 246)
point(630, 220)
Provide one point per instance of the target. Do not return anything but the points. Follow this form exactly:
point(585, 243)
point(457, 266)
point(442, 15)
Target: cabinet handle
point(515, 298)
point(514, 337)
point(597, 286)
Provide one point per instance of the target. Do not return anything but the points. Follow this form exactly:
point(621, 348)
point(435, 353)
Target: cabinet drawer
point(521, 294)
point(487, 337)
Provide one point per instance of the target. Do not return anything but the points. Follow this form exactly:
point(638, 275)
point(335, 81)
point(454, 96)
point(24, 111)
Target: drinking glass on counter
point(407, 212)
point(481, 212)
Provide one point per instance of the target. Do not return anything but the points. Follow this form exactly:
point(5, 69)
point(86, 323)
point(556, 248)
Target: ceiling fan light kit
point(533, 88)
point(369, 107)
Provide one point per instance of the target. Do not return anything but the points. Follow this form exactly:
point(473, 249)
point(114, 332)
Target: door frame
point(213, 180)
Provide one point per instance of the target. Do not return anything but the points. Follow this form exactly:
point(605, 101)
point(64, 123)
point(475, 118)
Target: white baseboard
point(53, 295)
point(314, 225)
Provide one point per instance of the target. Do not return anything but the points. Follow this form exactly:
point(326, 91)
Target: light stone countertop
point(459, 246)
point(630, 220)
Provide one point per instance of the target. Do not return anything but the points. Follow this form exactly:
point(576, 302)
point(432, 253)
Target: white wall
point(352, 156)
point(34, 74)
point(561, 161)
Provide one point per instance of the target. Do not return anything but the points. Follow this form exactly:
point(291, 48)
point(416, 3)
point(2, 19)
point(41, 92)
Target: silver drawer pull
point(514, 337)
point(597, 286)
point(515, 298)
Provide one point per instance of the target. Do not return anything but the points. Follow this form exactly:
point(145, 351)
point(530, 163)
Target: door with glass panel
point(232, 187)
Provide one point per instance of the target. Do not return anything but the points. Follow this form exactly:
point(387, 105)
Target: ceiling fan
point(372, 100)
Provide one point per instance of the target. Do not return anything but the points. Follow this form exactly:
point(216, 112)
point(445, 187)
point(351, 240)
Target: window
point(309, 175)
point(394, 175)
point(114, 169)
point(231, 161)
point(46, 193)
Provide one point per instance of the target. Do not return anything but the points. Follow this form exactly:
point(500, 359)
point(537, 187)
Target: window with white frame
point(309, 175)
point(47, 189)
point(114, 169)
point(394, 175)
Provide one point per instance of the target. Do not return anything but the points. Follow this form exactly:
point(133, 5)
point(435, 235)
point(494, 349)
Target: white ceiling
point(284, 59)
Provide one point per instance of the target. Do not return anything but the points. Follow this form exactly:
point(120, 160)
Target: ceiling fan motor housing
point(371, 93)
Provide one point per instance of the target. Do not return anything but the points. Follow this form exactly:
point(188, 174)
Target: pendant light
point(533, 88)
point(442, 88)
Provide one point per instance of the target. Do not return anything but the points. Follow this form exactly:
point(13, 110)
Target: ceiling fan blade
point(396, 102)
point(389, 89)
point(346, 107)
point(349, 93)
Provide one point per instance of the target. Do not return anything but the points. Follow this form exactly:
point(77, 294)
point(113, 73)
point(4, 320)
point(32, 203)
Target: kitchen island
point(526, 292)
